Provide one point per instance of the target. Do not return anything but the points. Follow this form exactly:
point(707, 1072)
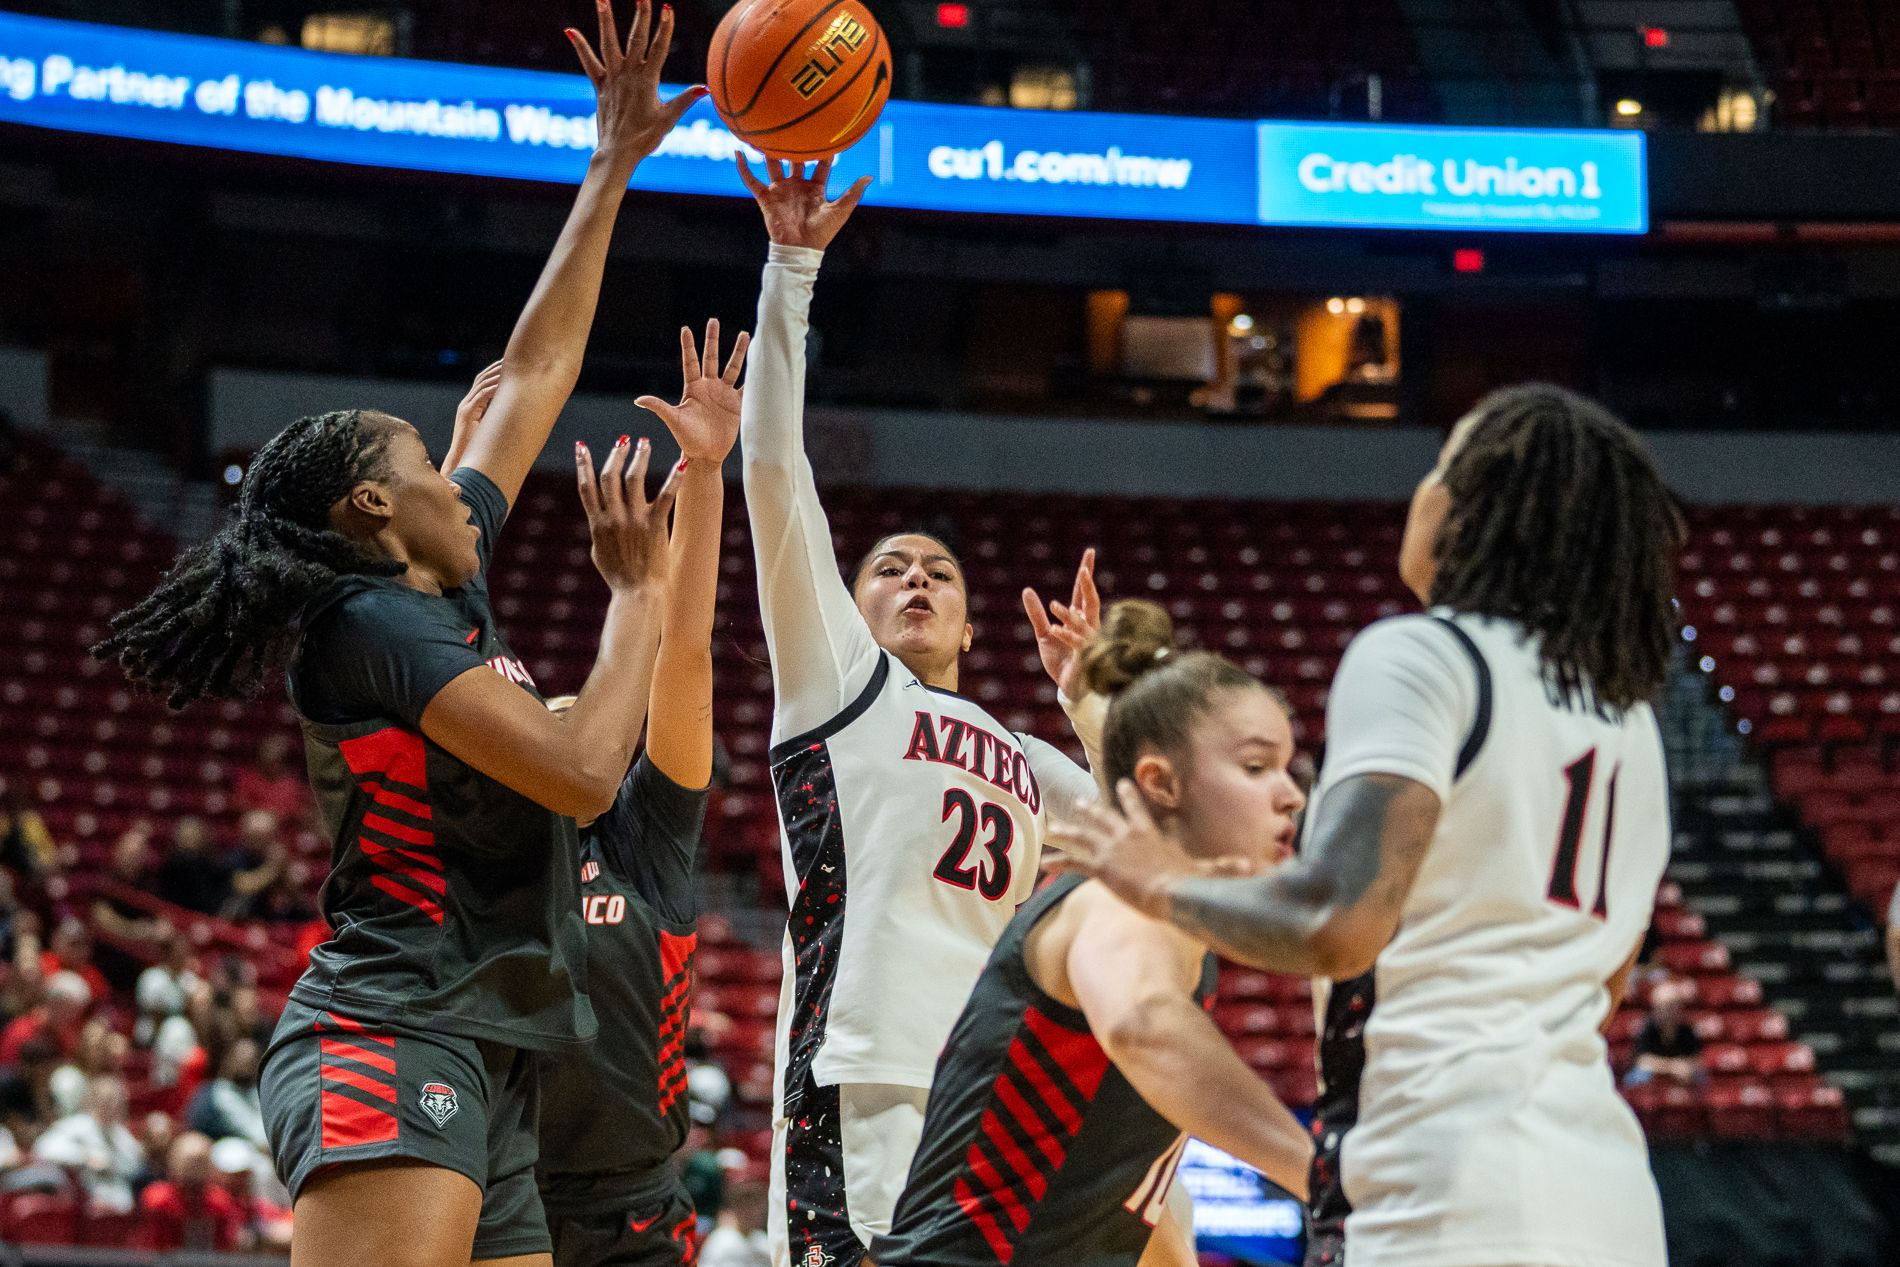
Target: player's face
point(1237, 796)
point(1417, 563)
point(911, 594)
point(435, 527)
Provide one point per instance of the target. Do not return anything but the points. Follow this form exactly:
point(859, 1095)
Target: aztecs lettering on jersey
point(676, 993)
point(1036, 1109)
point(391, 767)
point(953, 741)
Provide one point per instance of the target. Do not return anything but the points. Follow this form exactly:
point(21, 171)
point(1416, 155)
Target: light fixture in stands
point(1467, 259)
point(953, 15)
point(1655, 37)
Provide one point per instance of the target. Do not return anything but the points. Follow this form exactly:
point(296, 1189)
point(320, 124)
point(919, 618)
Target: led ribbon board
point(531, 125)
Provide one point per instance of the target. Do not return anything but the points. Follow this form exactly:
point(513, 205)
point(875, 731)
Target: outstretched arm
point(1327, 913)
point(705, 423)
point(543, 358)
point(822, 652)
point(1061, 633)
point(574, 765)
point(1135, 981)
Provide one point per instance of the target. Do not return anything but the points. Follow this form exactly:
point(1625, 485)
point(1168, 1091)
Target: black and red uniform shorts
point(341, 1089)
point(642, 1220)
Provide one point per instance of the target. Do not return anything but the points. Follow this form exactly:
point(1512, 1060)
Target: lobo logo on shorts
point(438, 1101)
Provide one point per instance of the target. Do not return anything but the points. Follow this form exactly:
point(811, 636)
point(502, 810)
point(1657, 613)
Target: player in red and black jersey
point(400, 1090)
point(1086, 1056)
point(615, 1111)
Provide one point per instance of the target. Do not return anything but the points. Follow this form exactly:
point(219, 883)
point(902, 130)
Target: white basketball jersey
point(912, 829)
point(1489, 1130)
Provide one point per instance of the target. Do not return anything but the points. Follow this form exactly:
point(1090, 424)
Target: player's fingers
point(777, 169)
point(1134, 808)
point(1073, 639)
point(654, 405)
point(584, 477)
point(848, 200)
point(636, 476)
point(654, 50)
point(750, 181)
point(709, 364)
point(739, 347)
point(681, 104)
point(1038, 621)
point(589, 63)
point(613, 493)
point(1227, 868)
point(821, 174)
point(689, 355)
point(1090, 598)
point(668, 487)
point(610, 56)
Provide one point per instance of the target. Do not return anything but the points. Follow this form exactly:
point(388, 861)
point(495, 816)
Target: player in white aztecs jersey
point(1487, 835)
point(911, 819)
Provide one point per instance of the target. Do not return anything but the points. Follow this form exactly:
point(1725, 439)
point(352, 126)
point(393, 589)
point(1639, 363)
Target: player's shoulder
point(1433, 636)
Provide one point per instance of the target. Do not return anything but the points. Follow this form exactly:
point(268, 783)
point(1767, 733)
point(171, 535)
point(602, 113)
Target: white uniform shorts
point(839, 1163)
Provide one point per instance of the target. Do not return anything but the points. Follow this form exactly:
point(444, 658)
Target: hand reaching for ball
point(796, 210)
point(633, 119)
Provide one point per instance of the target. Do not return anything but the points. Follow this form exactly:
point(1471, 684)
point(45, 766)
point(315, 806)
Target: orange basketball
point(799, 78)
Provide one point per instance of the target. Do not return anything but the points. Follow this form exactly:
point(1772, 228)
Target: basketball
point(799, 79)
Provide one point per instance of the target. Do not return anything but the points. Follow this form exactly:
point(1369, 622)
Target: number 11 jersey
point(1488, 1126)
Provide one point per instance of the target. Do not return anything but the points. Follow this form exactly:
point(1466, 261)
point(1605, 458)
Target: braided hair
point(229, 607)
point(1559, 521)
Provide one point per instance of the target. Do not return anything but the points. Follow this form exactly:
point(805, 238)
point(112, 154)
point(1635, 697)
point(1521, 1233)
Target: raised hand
point(632, 118)
point(796, 211)
point(706, 421)
point(1060, 641)
point(468, 414)
point(629, 532)
point(1125, 851)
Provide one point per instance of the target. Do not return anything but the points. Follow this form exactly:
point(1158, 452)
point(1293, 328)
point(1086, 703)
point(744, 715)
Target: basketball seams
point(870, 61)
point(787, 47)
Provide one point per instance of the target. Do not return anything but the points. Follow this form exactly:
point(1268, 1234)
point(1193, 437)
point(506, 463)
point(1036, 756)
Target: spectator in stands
point(738, 1236)
point(178, 1063)
point(96, 1140)
point(192, 876)
point(228, 1104)
point(275, 784)
point(25, 845)
point(119, 918)
point(166, 988)
point(101, 1051)
point(71, 951)
point(241, 1170)
point(26, 1094)
point(1668, 1046)
point(188, 1210)
point(156, 1135)
point(57, 1019)
point(259, 861)
point(12, 916)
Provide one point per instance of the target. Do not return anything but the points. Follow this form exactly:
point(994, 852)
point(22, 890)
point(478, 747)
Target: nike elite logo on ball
point(799, 79)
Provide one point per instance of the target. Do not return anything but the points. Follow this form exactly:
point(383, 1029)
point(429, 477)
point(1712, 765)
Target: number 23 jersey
point(1489, 1130)
point(912, 823)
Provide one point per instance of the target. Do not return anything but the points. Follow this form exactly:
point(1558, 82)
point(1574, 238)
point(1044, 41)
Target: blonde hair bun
point(1135, 636)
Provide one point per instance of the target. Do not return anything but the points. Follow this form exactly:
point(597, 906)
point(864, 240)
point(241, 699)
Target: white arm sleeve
point(1403, 701)
point(1064, 784)
point(821, 649)
point(1089, 717)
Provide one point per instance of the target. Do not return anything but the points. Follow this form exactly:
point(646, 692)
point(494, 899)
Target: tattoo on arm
point(1339, 904)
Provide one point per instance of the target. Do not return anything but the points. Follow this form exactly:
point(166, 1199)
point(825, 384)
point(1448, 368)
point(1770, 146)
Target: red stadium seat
point(1739, 1109)
point(40, 1218)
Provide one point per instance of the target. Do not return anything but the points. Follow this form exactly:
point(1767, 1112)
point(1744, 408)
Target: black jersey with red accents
point(618, 1105)
point(453, 901)
point(1035, 1147)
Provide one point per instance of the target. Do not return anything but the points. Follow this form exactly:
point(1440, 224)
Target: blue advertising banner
point(531, 125)
point(1465, 178)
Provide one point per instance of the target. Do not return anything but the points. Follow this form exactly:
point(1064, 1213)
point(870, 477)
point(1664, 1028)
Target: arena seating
point(1280, 587)
point(1794, 612)
point(1282, 60)
point(1835, 64)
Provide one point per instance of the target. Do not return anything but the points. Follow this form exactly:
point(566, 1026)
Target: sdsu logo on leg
point(815, 1256)
point(438, 1101)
